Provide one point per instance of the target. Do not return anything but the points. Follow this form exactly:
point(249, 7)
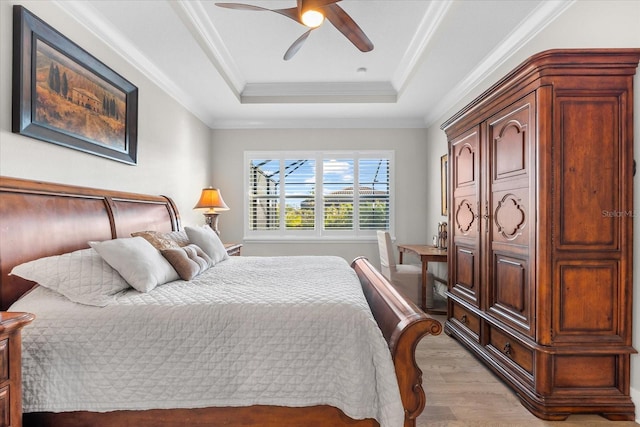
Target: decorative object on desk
point(211, 199)
point(63, 95)
point(442, 235)
point(444, 164)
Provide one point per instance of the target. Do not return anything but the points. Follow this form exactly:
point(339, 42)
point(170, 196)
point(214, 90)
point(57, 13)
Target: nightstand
point(233, 249)
point(11, 367)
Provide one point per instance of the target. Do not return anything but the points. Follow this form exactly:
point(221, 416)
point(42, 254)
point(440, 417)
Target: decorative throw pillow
point(82, 276)
point(141, 265)
point(158, 240)
point(209, 241)
point(188, 261)
point(180, 237)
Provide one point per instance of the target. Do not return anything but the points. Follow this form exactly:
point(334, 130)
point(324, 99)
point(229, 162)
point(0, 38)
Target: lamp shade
point(211, 199)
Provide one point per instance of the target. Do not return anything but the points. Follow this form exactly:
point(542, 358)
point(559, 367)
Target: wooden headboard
point(39, 219)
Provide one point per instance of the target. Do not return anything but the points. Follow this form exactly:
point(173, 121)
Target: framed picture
point(63, 95)
point(444, 173)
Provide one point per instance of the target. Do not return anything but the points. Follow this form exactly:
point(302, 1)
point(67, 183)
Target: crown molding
point(195, 18)
point(94, 23)
point(413, 55)
point(537, 20)
point(359, 92)
point(314, 123)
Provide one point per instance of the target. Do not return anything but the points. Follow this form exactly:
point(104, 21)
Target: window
point(318, 195)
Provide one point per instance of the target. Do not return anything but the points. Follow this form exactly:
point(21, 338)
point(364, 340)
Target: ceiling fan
point(312, 13)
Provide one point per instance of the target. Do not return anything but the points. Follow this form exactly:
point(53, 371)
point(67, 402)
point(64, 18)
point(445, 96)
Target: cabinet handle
point(507, 349)
point(463, 319)
point(486, 216)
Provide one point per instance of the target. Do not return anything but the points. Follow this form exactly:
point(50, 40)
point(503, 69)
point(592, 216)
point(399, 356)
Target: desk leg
point(424, 286)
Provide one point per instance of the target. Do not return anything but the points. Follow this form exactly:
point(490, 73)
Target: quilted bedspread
point(289, 331)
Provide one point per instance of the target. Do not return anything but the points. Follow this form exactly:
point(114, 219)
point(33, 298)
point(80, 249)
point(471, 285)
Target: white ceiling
point(226, 66)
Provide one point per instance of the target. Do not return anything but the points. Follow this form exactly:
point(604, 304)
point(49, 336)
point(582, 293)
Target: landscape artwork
point(64, 95)
point(72, 99)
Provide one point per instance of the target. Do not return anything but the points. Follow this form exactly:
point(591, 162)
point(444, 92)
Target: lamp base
point(212, 221)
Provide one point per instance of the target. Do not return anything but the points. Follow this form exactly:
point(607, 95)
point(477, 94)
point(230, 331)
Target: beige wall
point(593, 24)
point(410, 149)
point(173, 146)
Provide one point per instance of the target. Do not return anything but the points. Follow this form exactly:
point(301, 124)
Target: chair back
point(387, 258)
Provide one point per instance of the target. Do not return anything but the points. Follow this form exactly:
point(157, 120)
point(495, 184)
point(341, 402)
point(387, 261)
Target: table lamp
point(211, 199)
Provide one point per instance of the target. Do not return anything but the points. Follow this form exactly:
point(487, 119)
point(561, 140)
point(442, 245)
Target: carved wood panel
point(510, 219)
point(587, 294)
point(590, 170)
point(510, 145)
point(510, 297)
point(466, 217)
point(466, 280)
point(586, 371)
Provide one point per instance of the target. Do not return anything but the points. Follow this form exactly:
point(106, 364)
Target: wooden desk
point(426, 253)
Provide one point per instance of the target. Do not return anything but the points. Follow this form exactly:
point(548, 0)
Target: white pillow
point(208, 241)
point(82, 276)
point(141, 265)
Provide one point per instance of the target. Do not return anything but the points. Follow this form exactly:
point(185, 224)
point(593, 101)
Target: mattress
point(287, 331)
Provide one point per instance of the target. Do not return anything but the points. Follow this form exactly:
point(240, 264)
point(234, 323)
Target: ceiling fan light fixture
point(312, 18)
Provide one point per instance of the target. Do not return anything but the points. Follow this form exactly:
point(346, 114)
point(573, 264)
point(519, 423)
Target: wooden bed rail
point(403, 325)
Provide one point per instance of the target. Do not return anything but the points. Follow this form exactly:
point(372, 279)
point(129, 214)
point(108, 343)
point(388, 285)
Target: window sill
point(288, 239)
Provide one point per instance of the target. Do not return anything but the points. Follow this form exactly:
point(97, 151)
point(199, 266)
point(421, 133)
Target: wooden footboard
point(403, 325)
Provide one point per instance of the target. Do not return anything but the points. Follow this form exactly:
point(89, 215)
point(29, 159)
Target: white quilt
point(289, 331)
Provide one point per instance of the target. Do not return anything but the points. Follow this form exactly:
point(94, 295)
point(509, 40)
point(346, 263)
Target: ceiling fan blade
point(295, 47)
point(241, 6)
point(291, 12)
point(347, 26)
point(316, 3)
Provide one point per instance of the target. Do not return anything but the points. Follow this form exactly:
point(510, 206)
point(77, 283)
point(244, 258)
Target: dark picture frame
point(65, 96)
point(444, 173)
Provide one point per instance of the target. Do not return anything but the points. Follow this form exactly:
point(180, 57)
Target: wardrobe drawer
point(467, 319)
point(511, 349)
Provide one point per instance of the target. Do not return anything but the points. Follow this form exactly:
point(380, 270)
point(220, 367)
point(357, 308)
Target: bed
point(43, 219)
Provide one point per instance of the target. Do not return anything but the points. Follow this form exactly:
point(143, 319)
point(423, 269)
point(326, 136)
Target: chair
point(407, 278)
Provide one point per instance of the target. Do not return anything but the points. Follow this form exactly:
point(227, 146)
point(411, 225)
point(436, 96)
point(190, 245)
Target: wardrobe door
point(464, 162)
point(509, 212)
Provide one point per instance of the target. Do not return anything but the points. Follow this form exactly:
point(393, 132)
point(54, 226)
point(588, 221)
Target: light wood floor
point(462, 392)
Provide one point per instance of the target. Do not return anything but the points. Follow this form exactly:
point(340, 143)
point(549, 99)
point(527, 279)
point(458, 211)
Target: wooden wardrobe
point(541, 176)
